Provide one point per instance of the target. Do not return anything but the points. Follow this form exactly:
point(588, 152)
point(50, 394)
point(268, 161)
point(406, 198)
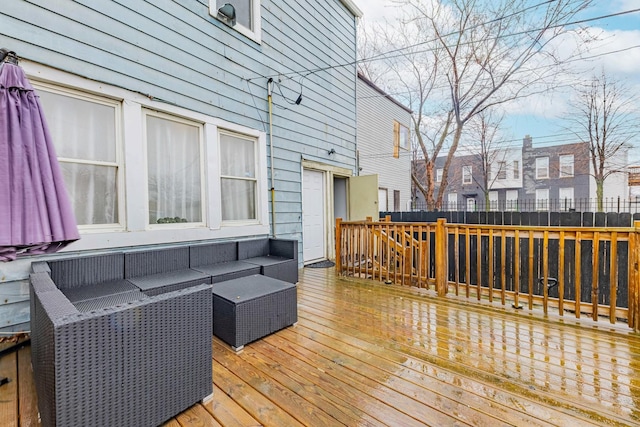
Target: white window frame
point(203, 182)
point(452, 201)
point(118, 164)
point(256, 179)
point(254, 33)
point(494, 200)
point(467, 172)
point(566, 202)
point(439, 172)
point(502, 171)
point(542, 199)
point(511, 203)
point(405, 137)
point(566, 161)
point(542, 164)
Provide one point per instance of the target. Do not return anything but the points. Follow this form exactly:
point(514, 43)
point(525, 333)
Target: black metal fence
point(568, 219)
point(609, 204)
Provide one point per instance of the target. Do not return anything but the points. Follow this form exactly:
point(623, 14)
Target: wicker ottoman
point(252, 307)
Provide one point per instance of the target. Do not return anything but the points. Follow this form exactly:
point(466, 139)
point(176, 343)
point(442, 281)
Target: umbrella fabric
point(36, 215)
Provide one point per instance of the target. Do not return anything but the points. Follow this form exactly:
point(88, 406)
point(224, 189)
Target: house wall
point(174, 57)
point(376, 115)
point(580, 182)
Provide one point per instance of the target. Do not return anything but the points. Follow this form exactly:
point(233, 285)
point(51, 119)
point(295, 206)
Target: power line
point(599, 55)
point(567, 138)
point(384, 55)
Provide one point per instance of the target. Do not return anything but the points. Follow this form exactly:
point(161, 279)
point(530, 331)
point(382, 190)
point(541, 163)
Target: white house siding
point(376, 115)
point(175, 56)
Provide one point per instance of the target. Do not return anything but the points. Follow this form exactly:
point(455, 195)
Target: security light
point(227, 13)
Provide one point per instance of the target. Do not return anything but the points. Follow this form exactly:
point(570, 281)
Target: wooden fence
point(579, 270)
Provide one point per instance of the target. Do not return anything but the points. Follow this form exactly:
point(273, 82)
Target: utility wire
point(385, 55)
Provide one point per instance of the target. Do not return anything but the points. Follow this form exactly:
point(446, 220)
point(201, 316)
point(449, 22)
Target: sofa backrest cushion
point(253, 248)
point(213, 253)
point(81, 271)
point(145, 263)
point(285, 248)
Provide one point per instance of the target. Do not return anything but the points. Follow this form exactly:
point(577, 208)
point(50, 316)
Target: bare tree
point(488, 153)
point(453, 59)
point(606, 117)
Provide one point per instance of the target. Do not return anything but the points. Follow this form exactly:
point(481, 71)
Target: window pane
point(238, 199)
point(173, 150)
point(80, 129)
point(237, 157)
point(404, 137)
point(243, 11)
point(93, 192)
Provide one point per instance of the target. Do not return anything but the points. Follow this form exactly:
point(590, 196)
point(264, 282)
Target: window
point(400, 138)
point(516, 169)
point(239, 182)
point(542, 199)
point(493, 200)
point(85, 132)
point(542, 168)
point(405, 141)
point(247, 16)
point(566, 198)
point(396, 200)
point(439, 174)
point(452, 201)
point(566, 166)
point(174, 170)
point(467, 174)
point(512, 200)
point(502, 170)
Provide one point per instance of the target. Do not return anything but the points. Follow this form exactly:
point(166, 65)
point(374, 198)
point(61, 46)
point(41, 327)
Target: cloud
point(379, 10)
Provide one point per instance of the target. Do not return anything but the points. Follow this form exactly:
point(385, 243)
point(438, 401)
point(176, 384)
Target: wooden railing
point(580, 270)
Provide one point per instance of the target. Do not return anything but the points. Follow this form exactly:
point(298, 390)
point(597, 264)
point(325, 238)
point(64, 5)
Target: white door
point(314, 234)
point(383, 200)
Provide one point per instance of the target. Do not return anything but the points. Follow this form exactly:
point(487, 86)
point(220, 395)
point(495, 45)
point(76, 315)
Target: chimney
point(527, 142)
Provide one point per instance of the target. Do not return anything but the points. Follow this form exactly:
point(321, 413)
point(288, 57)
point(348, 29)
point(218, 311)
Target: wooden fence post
point(338, 246)
point(441, 257)
point(634, 277)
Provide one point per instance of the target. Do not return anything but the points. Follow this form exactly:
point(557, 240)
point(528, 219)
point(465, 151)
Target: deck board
point(368, 354)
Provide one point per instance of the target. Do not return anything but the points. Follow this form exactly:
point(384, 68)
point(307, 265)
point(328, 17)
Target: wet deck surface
point(365, 353)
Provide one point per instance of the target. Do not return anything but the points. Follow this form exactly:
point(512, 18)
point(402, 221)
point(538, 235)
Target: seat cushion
point(229, 270)
point(156, 284)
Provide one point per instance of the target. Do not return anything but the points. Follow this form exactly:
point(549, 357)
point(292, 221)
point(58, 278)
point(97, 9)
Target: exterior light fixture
point(227, 14)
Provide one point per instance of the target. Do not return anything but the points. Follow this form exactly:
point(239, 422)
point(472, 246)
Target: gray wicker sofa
point(106, 352)
point(276, 258)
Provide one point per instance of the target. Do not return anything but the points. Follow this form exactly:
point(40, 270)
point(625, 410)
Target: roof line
point(383, 93)
point(353, 8)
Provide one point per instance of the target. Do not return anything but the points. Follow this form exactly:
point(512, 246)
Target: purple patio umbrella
point(36, 215)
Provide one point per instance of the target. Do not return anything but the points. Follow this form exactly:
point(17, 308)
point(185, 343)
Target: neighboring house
point(557, 178)
point(467, 180)
point(160, 116)
point(384, 144)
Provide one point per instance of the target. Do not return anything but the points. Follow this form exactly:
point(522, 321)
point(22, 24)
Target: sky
point(541, 117)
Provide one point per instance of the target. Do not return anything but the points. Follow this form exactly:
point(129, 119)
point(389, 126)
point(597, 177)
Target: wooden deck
point(365, 354)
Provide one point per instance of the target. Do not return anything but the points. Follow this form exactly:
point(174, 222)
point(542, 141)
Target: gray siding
point(376, 115)
point(175, 52)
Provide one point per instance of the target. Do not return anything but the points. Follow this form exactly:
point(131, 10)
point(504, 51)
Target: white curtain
point(86, 131)
point(173, 152)
point(238, 182)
